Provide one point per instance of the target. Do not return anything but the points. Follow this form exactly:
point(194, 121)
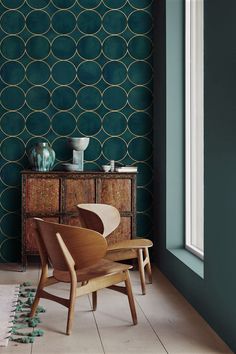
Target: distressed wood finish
point(54, 195)
point(42, 195)
point(77, 191)
point(117, 193)
point(30, 237)
point(72, 220)
point(123, 231)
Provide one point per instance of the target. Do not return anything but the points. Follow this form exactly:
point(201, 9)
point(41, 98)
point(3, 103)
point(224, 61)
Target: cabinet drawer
point(116, 192)
point(43, 195)
point(78, 191)
point(30, 241)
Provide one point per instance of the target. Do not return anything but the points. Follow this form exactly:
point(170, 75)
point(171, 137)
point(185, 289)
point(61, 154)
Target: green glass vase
point(41, 157)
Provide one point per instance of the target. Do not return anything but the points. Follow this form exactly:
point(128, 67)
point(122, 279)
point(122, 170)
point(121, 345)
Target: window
point(194, 127)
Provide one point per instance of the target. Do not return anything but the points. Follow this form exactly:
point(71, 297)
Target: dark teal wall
point(74, 68)
point(214, 296)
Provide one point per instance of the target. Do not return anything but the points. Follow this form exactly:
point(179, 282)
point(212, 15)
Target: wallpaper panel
point(74, 68)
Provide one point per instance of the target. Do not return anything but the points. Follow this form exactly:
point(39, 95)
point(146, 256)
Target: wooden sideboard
point(54, 195)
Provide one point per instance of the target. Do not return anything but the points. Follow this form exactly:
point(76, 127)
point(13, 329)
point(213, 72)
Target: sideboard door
point(119, 193)
point(30, 240)
point(40, 198)
point(42, 195)
point(75, 191)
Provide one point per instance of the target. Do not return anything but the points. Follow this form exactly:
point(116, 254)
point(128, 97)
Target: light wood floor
point(167, 323)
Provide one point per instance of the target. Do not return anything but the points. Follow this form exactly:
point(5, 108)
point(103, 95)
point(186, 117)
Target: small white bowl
point(106, 168)
point(79, 144)
point(70, 167)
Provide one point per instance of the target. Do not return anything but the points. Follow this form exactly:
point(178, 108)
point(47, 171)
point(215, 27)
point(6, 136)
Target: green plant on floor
point(21, 317)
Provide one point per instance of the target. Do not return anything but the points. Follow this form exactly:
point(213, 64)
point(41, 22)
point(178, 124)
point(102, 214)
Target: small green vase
point(41, 157)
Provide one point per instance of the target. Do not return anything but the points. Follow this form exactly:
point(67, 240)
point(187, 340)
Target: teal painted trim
point(191, 261)
point(175, 124)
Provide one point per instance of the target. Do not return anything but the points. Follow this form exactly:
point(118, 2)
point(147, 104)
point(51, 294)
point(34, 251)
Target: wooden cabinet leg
point(24, 262)
point(94, 298)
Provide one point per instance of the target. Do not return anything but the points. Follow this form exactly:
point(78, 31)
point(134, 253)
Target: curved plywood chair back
point(86, 247)
point(89, 219)
point(102, 218)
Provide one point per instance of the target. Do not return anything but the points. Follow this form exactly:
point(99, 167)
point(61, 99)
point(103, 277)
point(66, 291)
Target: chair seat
point(129, 244)
point(101, 268)
point(121, 254)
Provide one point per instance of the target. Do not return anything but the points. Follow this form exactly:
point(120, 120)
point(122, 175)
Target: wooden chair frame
point(104, 219)
point(61, 246)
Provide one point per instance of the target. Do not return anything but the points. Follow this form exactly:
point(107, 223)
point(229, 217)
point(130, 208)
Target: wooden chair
point(105, 219)
point(76, 255)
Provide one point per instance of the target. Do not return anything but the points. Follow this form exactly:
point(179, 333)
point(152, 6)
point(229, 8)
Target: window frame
point(194, 127)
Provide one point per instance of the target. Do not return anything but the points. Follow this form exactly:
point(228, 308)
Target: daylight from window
point(194, 127)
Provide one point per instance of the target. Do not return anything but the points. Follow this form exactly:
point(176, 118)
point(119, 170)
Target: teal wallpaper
point(74, 68)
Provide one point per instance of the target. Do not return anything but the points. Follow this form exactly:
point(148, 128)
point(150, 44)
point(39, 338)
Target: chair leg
point(130, 298)
point(94, 298)
point(35, 304)
point(148, 264)
point(71, 309)
point(43, 278)
point(141, 270)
